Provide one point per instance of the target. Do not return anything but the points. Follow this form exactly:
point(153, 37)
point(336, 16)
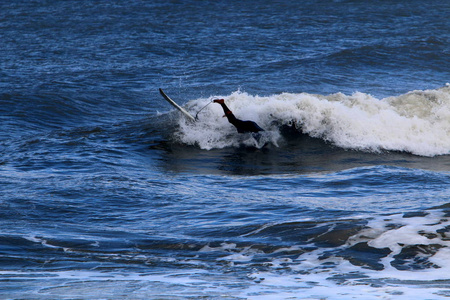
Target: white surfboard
point(188, 115)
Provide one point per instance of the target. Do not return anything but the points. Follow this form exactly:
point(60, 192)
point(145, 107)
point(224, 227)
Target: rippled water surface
point(108, 192)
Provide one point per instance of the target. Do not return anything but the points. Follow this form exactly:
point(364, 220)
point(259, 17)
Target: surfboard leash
point(196, 116)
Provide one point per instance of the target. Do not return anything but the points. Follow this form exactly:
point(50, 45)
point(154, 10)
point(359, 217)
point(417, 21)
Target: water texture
point(108, 192)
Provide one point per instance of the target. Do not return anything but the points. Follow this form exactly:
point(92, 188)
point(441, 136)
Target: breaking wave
point(417, 122)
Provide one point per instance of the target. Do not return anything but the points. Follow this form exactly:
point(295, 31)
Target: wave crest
point(417, 122)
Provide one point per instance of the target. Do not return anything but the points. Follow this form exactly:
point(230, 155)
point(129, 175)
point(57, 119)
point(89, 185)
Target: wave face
point(417, 122)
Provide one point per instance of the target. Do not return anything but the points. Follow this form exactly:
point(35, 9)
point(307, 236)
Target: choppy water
point(106, 192)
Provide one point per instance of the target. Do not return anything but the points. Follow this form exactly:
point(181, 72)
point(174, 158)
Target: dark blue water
point(107, 192)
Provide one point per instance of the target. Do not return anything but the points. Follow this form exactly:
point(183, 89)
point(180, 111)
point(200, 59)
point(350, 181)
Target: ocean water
point(107, 192)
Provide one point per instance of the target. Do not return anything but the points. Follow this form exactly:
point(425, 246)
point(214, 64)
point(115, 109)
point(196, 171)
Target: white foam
point(413, 231)
point(417, 122)
point(311, 276)
point(286, 273)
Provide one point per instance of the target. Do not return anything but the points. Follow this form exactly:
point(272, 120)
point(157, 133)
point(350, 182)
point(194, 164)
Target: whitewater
point(417, 122)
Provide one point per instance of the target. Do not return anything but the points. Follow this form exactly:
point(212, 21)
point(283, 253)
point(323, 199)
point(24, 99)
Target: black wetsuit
point(241, 126)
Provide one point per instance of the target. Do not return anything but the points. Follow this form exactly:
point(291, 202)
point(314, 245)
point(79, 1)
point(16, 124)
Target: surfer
point(241, 126)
